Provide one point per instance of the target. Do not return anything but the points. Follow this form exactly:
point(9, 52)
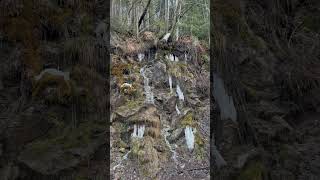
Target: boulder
point(176, 135)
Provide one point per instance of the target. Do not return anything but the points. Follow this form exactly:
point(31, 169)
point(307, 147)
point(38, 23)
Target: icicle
point(134, 134)
point(140, 57)
point(166, 37)
point(141, 131)
point(170, 83)
point(176, 59)
point(178, 111)
point(224, 101)
point(189, 137)
point(170, 57)
point(138, 131)
point(185, 57)
point(180, 93)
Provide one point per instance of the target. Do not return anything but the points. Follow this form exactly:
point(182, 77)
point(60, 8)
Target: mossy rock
point(188, 120)
point(255, 170)
point(146, 155)
point(130, 108)
point(64, 89)
point(119, 70)
point(199, 146)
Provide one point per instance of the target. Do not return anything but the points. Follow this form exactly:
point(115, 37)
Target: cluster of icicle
point(147, 88)
point(138, 131)
point(172, 57)
point(189, 131)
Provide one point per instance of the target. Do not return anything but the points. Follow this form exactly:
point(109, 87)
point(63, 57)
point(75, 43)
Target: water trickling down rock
point(177, 109)
point(165, 134)
point(147, 88)
point(123, 158)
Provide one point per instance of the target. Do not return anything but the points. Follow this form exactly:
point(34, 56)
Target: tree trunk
point(144, 13)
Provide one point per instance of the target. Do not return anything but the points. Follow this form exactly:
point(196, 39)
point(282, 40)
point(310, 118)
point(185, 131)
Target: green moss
point(250, 38)
point(64, 88)
point(69, 138)
point(86, 24)
point(132, 104)
point(255, 170)
point(81, 177)
point(117, 71)
point(312, 22)
point(59, 18)
point(54, 119)
point(188, 120)
point(136, 148)
point(284, 152)
point(199, 146)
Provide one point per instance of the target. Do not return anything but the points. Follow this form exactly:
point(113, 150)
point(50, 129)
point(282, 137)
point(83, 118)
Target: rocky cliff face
point(266, 54)
point(160, 105)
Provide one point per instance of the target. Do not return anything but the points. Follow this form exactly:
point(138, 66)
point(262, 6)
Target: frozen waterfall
point(225, 102)
point(180, 93)
point(170, 83)
point(188, 132)
point(147, 88)
point(138, 131)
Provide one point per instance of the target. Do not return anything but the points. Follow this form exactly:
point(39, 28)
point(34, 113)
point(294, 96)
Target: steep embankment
point(267, 54)
point(160, 105)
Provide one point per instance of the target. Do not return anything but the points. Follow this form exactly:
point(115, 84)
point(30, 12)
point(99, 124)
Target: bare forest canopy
point(178, 17)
